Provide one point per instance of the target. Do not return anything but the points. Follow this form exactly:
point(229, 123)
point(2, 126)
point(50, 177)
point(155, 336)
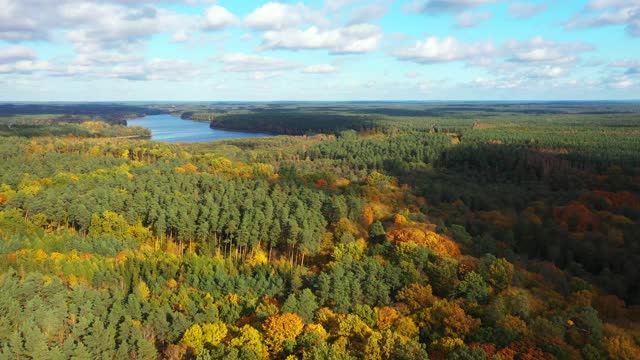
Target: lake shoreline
point(243, 131)
point(173, 129)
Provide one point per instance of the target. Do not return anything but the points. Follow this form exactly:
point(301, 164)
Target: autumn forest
point(362, 230)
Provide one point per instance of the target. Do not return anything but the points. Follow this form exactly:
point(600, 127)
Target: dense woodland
point(378, 231)
point(76, 120)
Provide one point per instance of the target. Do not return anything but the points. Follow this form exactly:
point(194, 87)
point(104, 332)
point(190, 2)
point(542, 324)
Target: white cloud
point(86, 20)
point(116, 28)
point(509, 65)
point(603, 4)
point(577, 83)
point(540, 50)
point(547, 71)
point(218, 18)
point(623, 74)
point(425, 86)
point(335, 5)
point(153, 70)
point(24, 67)
point(621, 82)
point(469, 19)
point(172, 70)
point(107, 58)
point(238, 62)
point(595, 61)
point(180, 36)
point(16, 53)
point(525, 77)
point(632, 66)
point(280, 16)
point(434, 50)
point(19, 21)
point(608, 12)
point(441, 6)
point(352, 39)
point(525, 10)
point(108, 40)
point(496, 83)
point(367, 13)
point(21, 60)
point(261, 76)
point(320, 69)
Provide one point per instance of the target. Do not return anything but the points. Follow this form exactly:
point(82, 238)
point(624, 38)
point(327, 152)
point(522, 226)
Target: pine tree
point(306, 305)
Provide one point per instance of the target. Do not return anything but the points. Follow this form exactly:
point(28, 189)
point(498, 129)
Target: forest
point(362, 230)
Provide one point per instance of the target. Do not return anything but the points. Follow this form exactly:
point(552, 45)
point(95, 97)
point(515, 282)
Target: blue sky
point(203, 50)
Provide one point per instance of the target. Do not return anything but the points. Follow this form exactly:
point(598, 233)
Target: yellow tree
point(449, 319)
point(417, 297)
point(193, 338)
point(367, 216)
point(249, 338)
point(386, 316)
point(110, 223)
point(214, 333)
point(208, 334)
point(142, 291)
point(279, 329)
point(621, 347)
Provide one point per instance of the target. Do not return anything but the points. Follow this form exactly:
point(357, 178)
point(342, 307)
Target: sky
point(321, 50)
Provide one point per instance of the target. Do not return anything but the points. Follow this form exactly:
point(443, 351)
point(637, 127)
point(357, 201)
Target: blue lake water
point(173, 129)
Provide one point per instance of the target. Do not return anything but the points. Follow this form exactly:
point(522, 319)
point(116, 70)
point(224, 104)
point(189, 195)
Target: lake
point(173, 129)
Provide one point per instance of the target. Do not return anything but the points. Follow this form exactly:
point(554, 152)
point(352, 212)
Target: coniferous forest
point(357, 231)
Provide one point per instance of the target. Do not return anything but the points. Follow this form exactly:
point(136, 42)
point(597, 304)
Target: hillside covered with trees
point(363, 231)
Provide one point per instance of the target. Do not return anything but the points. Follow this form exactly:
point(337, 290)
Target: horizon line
point(9, 102)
